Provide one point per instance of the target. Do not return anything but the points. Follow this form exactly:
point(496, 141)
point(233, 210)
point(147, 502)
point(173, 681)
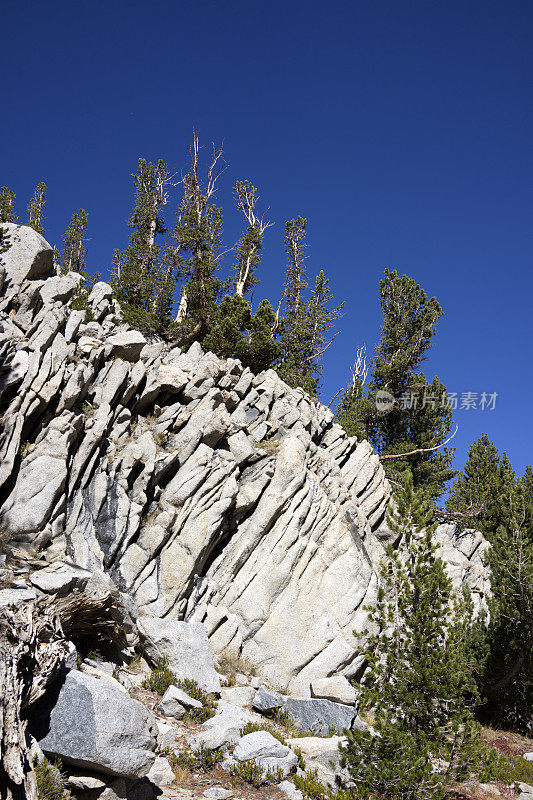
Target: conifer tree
point(251, 242)
point(306, 323)
point(7, 205)
point(198, 239)
point(237, 333)
point(143, 277)
point(75, 237)
point(418, 420)
point(419, 680)
point(507, 680)
point(488, 496)
point(36, 208)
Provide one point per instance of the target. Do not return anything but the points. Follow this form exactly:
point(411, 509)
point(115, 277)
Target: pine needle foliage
point(36, 208)
point(144, 273)
point(7, 205)
point(489, 496)
point(419, 683)
point(420, 419)
point(305, 327)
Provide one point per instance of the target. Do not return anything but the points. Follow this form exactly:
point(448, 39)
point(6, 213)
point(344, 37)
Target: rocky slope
point(205, 493)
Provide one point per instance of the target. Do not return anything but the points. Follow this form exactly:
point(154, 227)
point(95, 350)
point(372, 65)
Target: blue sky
point(401, 130)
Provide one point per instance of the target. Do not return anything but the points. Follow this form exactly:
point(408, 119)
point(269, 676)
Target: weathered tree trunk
point(33, 649)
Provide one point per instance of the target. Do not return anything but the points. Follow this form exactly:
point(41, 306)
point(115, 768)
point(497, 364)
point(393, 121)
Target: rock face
point(206, 493)
point(92, 724)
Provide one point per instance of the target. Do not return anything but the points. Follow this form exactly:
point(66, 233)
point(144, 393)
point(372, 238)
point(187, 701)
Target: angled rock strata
point(204, 492)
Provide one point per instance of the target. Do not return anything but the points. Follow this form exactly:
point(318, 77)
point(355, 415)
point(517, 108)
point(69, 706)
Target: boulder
point(185, 647)
point(336, 688)
point(267, 751)
point(322, 716)
point(322, 750)
point(238, 695)
point(166, 734)
point(217, 793)
point(175, 703)
point(528, 756)
point(266, 699)
point(289, 789)
point(61, 578)
point(10, 597)
point(315, 715)
point(60, 288)
point(89, 723)
point(161, 772)
point(127, 345)
point(28, 257)
point(223, 728)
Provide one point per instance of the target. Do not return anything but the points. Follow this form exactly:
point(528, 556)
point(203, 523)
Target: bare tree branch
point(421, 449)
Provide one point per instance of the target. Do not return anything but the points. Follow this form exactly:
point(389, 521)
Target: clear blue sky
point(401, 130)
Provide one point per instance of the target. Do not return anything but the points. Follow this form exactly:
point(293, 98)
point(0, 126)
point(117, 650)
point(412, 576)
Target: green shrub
point(283, 718)
point(505, 767)
point(310, 786)
point(248, 771)
point(300, 756)
point(88, 410)
point(161, 438)
point(203, 759)
point(51, 782)
point(80, 302)
point(160, 678)
point(209, 702)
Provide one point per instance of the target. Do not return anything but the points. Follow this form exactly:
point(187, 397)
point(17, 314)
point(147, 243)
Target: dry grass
point(270, 446)
point(230, 663)
point(182, 775)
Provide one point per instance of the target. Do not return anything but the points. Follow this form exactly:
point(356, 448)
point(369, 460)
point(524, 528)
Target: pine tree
point(419, 681)
point(417, 419)
point(36, 208)
point(507, 679)
point(7, 205)
point(143, 277)
point(306, 323)
point(476, 498)
point(489, 497)
point(198, 238)
point(74, 251)
point(237, 333)
point(251, 242)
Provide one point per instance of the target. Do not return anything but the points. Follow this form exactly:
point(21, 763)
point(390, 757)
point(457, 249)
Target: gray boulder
point(92, 724)
point(28, 257)
point(161, 772)
point(184, 645)
point(61, 578)
point(315, 715)
point(224, 728)
point(239, 695)
point(266, 699)
point(127, 345)
point(336, 688)
point(267, 751)
point(175, 703)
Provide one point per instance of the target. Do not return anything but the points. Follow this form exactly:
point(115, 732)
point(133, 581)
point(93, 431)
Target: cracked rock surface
point(204, 492)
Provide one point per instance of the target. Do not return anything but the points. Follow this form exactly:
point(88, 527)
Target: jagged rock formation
point(204, 492)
